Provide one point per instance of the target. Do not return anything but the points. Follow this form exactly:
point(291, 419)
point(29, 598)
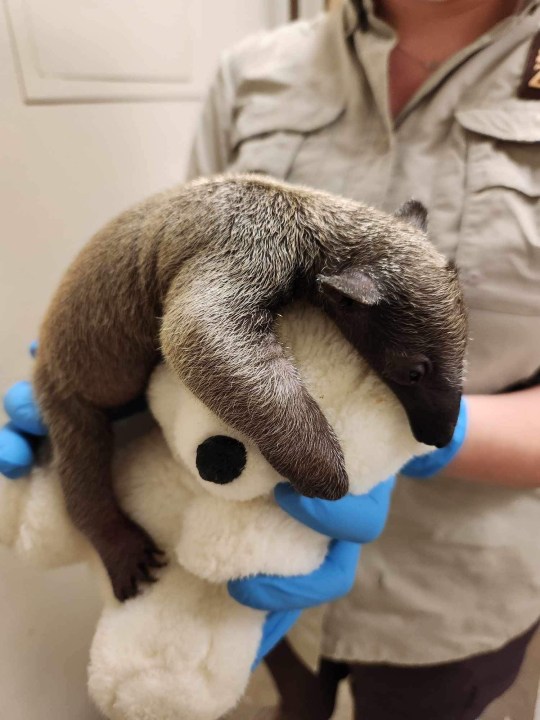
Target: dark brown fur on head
point(405, 314)
point(201, 272)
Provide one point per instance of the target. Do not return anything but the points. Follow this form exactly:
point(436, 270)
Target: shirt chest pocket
point(499, 238)
point(268, 136)
point(270, 154)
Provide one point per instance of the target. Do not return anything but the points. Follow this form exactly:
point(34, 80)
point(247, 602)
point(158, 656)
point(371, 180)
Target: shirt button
point(471, 277)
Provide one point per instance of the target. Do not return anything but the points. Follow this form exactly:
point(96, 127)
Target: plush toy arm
point(34, 523)
point(221, 540)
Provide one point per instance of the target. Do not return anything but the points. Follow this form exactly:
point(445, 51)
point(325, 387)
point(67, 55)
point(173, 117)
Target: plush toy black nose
point(221, 459)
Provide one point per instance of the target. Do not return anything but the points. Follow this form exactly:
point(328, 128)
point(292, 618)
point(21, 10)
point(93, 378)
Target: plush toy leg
point(180, 651)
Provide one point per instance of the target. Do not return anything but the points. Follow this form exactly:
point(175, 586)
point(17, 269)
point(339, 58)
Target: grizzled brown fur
point(197, 275)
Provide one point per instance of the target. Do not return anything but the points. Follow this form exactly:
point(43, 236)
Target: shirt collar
point(360, 14)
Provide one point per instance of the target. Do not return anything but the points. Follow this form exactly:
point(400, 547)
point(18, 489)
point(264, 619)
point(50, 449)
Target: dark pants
point(458, 690)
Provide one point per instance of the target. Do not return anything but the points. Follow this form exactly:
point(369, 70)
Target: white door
point(98, 103)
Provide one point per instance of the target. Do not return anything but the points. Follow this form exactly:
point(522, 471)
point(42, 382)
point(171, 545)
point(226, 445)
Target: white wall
point(71, 157)
point(67, 168)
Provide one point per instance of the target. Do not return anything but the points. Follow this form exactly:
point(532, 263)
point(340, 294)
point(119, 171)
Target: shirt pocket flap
point(297, 115)
point(514, 123)
point(267, 135)
point(502, 155)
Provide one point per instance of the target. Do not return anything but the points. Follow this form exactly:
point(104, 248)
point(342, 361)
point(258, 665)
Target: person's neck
point(437, 29)
point(429, 32)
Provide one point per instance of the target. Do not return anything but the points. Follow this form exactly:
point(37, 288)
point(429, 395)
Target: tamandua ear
point(351, 284)
point(414, 213)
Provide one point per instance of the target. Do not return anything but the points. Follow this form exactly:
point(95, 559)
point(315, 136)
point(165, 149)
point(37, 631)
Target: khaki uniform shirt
point(457, 570)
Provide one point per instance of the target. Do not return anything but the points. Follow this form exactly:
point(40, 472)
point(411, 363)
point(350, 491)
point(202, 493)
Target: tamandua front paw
point(130, 556)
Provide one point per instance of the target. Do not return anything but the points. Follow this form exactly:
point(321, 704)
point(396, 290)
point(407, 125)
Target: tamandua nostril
point(221, 459)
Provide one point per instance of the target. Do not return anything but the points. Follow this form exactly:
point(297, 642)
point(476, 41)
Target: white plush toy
point(183, 649)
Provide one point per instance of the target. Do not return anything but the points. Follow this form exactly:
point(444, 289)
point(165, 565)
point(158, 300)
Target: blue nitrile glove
point(18, 437)
point(350, 522)
point(425, 466)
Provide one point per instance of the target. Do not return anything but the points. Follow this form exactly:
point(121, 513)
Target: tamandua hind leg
point(83, 443)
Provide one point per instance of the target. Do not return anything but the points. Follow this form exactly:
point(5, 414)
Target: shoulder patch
point(530, 80)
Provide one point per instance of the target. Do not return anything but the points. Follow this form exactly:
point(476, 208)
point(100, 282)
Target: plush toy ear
point(414, 213)
point(353, 283)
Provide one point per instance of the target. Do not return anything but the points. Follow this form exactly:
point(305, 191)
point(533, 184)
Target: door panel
point(96, 50)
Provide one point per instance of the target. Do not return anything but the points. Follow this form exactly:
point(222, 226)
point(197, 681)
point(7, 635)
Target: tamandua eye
point(408, 371)
point(416, 373)
point(346, 302)
point(221, 459)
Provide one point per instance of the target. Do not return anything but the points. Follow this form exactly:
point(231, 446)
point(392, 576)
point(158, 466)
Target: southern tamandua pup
point(198, 274)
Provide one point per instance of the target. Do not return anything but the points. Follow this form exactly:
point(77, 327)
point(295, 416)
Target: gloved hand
point(20, 436)
point(425, 466)
point(350, 522)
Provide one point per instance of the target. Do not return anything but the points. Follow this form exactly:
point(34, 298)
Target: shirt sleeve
point(211, 149)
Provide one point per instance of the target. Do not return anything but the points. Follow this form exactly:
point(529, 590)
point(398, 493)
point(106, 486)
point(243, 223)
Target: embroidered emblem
point(530, 80)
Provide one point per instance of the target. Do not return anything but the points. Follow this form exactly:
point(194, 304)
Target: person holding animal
point(380, 102)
